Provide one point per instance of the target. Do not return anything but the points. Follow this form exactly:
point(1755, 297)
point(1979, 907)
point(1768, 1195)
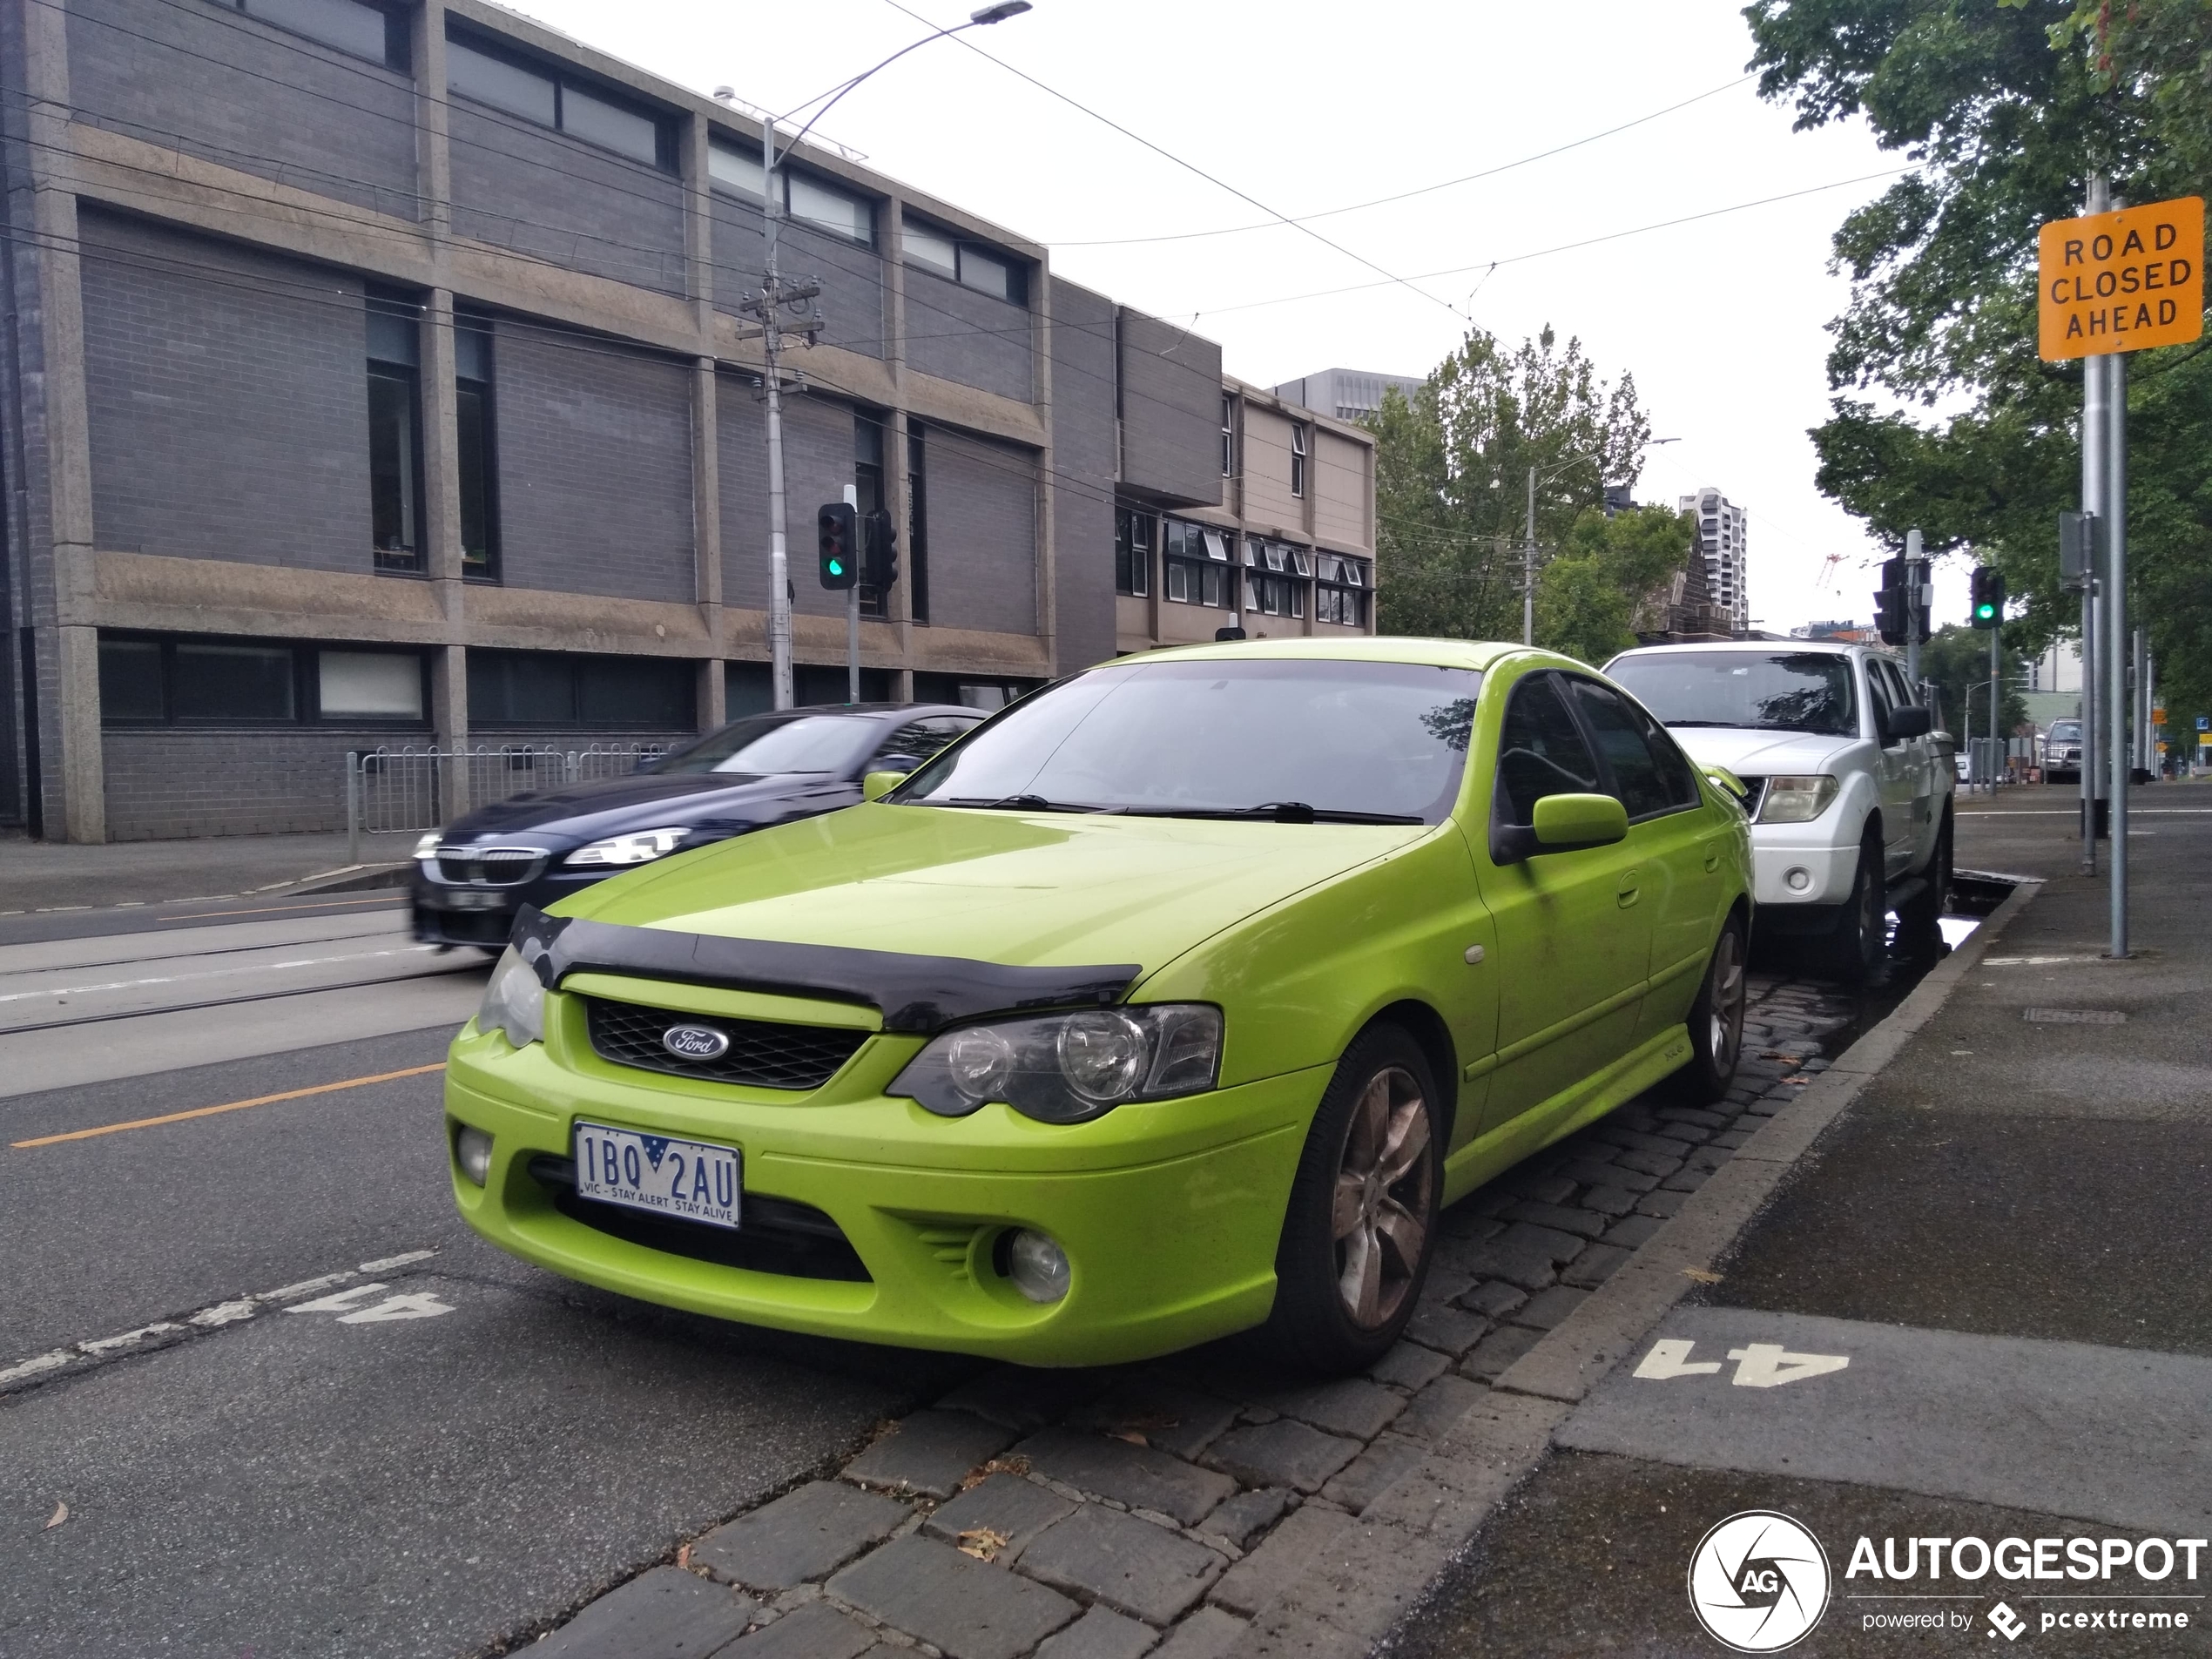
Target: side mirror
point(877, 785)
point(1910, 721)
point(1569, 823)
point(1721, 778)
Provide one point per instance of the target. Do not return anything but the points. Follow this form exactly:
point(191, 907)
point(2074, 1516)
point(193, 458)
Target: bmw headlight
point(1065, 1067)
point(1797, 800)
point(639, 847)
point(427, 848)
point(514, 1001)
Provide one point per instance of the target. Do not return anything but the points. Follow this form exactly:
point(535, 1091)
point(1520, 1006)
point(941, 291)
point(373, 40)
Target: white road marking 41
point(349, 1304)
point(1758, 1365)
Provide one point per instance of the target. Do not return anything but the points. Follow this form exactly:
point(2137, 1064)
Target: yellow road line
point(233, 1106)
point(271, 909)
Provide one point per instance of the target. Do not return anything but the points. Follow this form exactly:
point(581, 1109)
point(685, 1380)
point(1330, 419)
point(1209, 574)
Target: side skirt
point(1493, 1154)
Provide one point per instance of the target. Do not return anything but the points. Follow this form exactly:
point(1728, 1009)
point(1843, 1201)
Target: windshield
point(1363, 742)
point(2066, 731)
point(772, 743)
point(1788, 692)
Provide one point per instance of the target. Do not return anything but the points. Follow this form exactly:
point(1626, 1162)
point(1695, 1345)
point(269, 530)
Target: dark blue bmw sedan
point(473, 876)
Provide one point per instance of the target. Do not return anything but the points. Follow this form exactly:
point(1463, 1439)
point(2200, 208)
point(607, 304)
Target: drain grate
point(2073, 1016)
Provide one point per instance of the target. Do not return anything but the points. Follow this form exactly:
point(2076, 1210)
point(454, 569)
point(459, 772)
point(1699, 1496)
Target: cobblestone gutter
point(1160, 1508)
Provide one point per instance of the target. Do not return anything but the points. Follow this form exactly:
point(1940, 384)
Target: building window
point(868, 496)
point(917, 528)
point(1134, 533)
point(1194, 565)
point(353, 26)
point(544, 95)
point(969, 264)
point(395, 447)
point(519, 689)
point(811, 200)
point(1340, 590)
point(1298, 458)
point(1275, 579)
point(1228, 436)
point(192, 681)
point(474, 450)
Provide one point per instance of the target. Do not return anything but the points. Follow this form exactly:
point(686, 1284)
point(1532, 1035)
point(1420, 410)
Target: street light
point(768, 306)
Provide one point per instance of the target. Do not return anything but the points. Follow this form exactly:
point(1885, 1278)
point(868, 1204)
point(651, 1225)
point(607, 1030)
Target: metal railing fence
point(394, 790)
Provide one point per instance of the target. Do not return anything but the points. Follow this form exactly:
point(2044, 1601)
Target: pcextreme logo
point(1758, 1581)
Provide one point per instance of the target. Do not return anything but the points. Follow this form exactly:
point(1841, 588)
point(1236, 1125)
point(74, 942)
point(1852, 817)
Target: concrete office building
point(375, 375)
point(1348, 393)
point(1720, 532)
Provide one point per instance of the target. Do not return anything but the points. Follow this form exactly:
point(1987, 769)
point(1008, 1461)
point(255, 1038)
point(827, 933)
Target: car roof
point(1387, 648)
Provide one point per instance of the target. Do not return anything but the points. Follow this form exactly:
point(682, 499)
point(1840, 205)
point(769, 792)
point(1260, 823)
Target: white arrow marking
point(1671, 1358)
point(419, 1304)
point(339, 1302)
point(1764, 1365)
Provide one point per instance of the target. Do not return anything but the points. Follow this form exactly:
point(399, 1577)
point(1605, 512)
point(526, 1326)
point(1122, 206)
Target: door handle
point(1712, 858)
point(1630, 889)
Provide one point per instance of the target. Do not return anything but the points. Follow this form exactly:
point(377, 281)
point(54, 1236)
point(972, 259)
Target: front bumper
point(453, 913)
point(1825, 870)
point(1169, 1212)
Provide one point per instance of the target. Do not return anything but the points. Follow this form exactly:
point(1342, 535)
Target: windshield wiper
point(1283, 811)
point(1020, 804)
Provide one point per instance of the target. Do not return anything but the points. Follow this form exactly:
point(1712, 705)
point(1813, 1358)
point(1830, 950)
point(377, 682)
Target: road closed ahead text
point(2121, 281)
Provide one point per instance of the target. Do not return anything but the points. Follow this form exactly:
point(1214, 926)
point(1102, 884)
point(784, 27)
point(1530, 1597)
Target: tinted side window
point(1880, 697)
point(1638, 780)
point(1541, 752)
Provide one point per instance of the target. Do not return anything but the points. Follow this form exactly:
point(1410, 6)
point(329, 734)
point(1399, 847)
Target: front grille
point(773, 1235)
point(489, 866)
point(1756, 799)
point(486, 927)
point(762, 1053)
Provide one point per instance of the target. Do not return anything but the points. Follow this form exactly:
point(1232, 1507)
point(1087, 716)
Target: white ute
point(1851, 788)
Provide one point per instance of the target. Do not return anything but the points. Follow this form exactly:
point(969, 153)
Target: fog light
point(1037, 1266)
point(1798, 879)
point(472, 1151)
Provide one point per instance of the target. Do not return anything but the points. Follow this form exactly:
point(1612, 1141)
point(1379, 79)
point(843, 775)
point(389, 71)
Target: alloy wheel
point(1729, 991)
point(1384, 1190)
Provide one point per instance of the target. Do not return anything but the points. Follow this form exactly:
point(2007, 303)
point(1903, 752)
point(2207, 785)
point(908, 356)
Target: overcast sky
point(1309, 107)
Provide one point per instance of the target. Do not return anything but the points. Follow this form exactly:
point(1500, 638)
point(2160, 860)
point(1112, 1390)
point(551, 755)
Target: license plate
point(688, 1180)
point(466, 901)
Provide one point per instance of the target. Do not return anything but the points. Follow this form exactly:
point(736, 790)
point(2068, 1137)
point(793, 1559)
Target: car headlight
point(639, 847)
point(1065, 1067)
point(1797, 800)
point(427, 848)
point(514, 1001)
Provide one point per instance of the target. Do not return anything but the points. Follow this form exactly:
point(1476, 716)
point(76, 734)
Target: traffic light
point(834, 529)
point(1889, 619)
point(1988, 597)
point(878, 552)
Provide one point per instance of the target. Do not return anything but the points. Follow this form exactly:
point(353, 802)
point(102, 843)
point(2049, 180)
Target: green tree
point(2004, 108)
point(1451, 477)
point(1587, 595)
point(1957, 660)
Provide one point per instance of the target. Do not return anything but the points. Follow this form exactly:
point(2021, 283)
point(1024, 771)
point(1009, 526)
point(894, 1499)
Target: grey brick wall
point(595, 466)
point(852, 292)
point(1171, 411)
point(1083, 453)
point(572, 204)
point(168, 782)
point(817, 464)
point(959, 335)
point(982, 533)
point(229, 400)
point(232, 90)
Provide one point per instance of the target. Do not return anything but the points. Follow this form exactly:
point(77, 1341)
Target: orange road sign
point(2121, 281)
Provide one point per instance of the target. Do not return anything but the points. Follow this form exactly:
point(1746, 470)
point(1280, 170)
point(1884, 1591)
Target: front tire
point(1717, 1022)
point(1358, 1231)
point(1918, 921)
point(1855, 952)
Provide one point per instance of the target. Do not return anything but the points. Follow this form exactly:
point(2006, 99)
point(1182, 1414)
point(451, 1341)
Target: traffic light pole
point(2114, 618)
point(2093, 502)
point(1996, 728)
point(1913, 567)
point(771, 349)
point(852, 613)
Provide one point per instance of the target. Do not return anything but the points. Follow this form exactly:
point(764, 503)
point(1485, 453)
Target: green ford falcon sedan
point(1172, 1001)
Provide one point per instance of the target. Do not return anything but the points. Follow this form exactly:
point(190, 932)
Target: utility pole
point(1913, 610)
point(770, 310)
point(1528, 570)
point(2114, 618)
point(1996, 697)
point(2093, 502)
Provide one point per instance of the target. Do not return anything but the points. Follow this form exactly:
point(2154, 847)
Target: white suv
point(1851, 789)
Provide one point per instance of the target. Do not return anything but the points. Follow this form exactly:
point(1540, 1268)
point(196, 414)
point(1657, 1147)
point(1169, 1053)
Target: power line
point(1424, 190)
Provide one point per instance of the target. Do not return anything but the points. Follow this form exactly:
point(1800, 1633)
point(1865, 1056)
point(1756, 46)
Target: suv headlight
point(427, 848)
point(514, 1001)
point(1797, 800)
point(639, 847)
point(1065, 1067)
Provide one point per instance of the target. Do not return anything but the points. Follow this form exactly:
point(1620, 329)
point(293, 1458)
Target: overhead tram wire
point(1424, 190)
point(1393, 279)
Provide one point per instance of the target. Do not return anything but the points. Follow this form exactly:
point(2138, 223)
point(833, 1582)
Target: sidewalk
point(53, 875)
point(1989, 1276)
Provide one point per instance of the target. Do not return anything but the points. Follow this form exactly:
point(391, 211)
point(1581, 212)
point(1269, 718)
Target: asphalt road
point(284, 1400)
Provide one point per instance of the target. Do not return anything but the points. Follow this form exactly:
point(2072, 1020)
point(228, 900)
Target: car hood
point(1020, 889)
point(1761, 754)
point(639, 800)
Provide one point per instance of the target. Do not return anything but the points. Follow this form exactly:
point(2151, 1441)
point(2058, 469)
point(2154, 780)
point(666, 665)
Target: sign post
point(2116, 280)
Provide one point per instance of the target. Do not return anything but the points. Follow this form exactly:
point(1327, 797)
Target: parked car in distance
point(1851, 791)
point(2062, 753)
point(1171, 1003)
point(473, 877)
